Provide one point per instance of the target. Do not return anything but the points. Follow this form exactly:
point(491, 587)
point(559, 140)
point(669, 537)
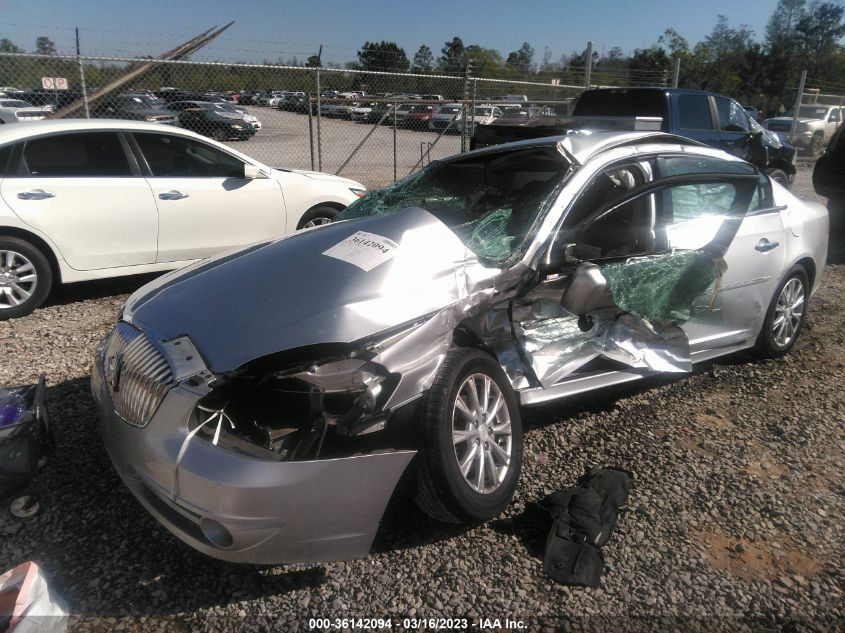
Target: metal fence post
point(466, 100)
point(588, 65)
point(311, 132)
point(394, 142)
point(798, 98)
point(319, 138)
point(676, 75)
point(82, 78)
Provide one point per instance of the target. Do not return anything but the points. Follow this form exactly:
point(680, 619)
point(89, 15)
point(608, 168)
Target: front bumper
point(243, 509)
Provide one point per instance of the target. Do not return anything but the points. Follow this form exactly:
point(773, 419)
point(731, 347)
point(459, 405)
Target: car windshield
point(449, 110)
point(809, 112)
point(491, 202)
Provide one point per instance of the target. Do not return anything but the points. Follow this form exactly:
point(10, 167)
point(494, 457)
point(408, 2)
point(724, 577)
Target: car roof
point(582, 145)
point(23, 130)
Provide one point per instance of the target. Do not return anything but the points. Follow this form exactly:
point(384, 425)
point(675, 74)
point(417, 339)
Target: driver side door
point(628, 271)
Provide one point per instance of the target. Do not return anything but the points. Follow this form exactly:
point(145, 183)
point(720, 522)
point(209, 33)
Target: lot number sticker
point(364, 250)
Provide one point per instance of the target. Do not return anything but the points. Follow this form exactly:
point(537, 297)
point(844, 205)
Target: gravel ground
point(735, 520)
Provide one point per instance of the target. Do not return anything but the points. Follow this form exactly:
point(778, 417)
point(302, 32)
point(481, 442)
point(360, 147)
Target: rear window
point(621, 103)
point(694, 112)
point(85, 154)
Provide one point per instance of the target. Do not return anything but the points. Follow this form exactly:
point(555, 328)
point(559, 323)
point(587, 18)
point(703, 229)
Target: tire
point(19, 261)
point(815, 146)
point(317, 216)
point(444, 491)
point(791, 294)
point(220, 135)
point(779, 176)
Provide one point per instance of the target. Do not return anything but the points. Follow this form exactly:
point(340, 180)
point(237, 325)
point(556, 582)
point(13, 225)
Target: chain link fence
point(373, 127)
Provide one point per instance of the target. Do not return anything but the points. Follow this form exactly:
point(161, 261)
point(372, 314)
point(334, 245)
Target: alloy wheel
point(318, 221)
point(18, 279)
point(481, 433)
point(788, 312)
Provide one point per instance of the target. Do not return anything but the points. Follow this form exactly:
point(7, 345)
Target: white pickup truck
point(816, 124)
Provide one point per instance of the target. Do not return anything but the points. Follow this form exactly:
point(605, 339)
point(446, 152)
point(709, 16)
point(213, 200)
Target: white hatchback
point(83, 200)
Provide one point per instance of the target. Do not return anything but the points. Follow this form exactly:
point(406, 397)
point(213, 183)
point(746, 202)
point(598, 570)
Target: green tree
point(452, 56)
point(818, 33)
point(44, 46)
point(383, 56)
point(485, 61)
point(649, 66)
point(674, 42)
point(7, 46)
point(781, 25)
point(521, 59)
point(423, 59)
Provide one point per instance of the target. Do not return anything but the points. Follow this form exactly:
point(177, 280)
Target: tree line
point(799, 35)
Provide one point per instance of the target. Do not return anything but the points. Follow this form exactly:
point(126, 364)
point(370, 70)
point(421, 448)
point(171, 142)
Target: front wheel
point(317, 216)
point(25, 278)
point(785, 315)
point(815, 146)
point(779, 176)
point(471, 446)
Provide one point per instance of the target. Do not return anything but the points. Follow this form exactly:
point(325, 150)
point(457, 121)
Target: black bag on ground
point(583, 520)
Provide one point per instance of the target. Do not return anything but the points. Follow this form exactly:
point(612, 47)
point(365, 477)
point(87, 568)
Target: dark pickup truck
point(706, 117)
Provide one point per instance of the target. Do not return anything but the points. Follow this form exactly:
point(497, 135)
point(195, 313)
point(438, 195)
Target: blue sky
point(271, 29)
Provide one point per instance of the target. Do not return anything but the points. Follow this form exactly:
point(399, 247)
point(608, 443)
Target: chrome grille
point(138, 376)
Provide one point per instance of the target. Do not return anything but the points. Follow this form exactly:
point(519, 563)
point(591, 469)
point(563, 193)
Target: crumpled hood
point(380, 272)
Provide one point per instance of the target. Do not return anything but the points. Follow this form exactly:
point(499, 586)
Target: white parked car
point(14, 110)
point(92, 199)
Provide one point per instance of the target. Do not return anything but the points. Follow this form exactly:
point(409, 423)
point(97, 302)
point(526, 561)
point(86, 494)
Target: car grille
point(138, 376)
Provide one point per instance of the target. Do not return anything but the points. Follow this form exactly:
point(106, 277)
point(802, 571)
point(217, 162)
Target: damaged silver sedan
point(264, 404)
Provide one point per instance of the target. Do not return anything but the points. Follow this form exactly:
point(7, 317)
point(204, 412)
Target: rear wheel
point(317, 217)
point(25, 278)
point(471, 445)
point(785, 316)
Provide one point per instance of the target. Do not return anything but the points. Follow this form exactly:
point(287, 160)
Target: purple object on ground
point(12, 406)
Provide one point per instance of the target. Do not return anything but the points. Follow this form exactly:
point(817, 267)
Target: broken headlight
point(297, 413)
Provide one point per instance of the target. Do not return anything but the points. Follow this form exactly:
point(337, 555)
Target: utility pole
point(798, 98)
point(588, 65)
point(82, 77)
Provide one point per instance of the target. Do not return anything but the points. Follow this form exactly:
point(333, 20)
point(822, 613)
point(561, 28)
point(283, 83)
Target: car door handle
point(36, 194)
point(764, 245)
point(172, 195)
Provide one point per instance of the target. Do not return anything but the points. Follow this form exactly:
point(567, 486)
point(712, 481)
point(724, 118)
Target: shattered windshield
point(490, 202)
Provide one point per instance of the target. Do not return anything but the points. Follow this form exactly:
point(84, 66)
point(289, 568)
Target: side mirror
point(251, 172)
point(587, 291)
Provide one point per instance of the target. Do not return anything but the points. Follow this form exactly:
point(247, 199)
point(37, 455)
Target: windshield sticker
point(364, 250)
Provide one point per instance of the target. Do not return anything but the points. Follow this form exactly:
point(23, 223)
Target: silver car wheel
point(18, 279)
point(318, 221)
point(788, 312)
point(481, 433)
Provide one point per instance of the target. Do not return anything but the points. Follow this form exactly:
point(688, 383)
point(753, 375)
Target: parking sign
point(54, 83)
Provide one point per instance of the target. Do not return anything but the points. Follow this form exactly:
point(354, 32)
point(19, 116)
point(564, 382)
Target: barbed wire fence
point(372, 126)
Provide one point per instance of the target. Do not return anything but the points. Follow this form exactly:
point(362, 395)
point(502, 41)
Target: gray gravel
point(736, 520)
